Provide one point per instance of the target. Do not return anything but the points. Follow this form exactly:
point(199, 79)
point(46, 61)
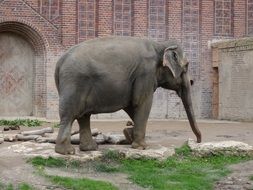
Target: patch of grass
point(111, 155)
point(41, 162)
point(9, 187)
point(108, 163)
point(67, 182)
point(106, 167)
point(183, 150)
point(1, 185)
point(22, 186)
point(182, 171)
point(251, 178)
point(25, 186)
point(47, 162)
point(6, 186)
point(85, 184)
point(21, 122)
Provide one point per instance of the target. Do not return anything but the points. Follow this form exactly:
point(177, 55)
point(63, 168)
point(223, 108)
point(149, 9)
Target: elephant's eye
point(175, 56)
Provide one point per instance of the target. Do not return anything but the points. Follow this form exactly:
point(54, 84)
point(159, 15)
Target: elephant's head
point(175, 77)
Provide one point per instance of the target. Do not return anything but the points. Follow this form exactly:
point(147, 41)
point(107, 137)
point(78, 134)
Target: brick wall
point(52, 26)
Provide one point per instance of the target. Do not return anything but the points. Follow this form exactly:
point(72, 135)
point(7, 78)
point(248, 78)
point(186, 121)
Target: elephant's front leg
point(86, 141)
point(141, 114)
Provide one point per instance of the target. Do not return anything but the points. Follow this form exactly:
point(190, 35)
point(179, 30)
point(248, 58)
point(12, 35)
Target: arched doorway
point(22, 70)
point(16, 75)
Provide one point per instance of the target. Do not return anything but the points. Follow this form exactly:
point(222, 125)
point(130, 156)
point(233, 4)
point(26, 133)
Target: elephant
point(107, 74)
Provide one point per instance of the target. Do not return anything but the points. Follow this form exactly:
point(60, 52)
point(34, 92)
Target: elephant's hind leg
point(86, 141)
point(67, 116)
point(63, 141)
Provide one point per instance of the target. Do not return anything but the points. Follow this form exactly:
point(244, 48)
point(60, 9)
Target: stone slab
point(31, 149)
point(159, 152)
point(221, 147)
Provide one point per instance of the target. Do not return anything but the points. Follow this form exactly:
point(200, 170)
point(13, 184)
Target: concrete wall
point(235, 79)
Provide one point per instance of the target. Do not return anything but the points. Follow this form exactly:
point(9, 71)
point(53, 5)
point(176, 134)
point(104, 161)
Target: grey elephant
point(107, 74)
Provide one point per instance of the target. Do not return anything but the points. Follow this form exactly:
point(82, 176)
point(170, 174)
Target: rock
point(14, 127)
point(100, 139)
point(45, 150)
point(1, 138)
point(159, 152)
point(115, 139)
point(10, 137)
point(222, 147)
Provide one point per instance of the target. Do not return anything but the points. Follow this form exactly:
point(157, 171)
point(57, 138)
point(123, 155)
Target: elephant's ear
point(171, 60)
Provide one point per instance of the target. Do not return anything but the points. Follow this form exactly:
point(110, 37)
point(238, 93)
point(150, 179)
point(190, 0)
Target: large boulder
point(155, 152)
point(221, 147)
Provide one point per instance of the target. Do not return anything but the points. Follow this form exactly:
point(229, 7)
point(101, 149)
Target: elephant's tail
point(56, 76)
point(57, 71)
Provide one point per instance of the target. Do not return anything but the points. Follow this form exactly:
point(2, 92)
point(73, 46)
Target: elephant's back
point(114, 44)
point(108, 56)
point(112, 50)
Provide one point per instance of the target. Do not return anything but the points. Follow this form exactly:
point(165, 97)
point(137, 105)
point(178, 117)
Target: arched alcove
point(22, 70)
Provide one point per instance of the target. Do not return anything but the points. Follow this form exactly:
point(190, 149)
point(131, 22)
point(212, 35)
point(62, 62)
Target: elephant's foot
point(64, 149)
point(141, 145)
point(128, 132)
point(87, 146)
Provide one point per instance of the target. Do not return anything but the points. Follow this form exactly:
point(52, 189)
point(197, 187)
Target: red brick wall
point(140, 20)
point(207, 33)
point(69, 22)
point(240, 18)
point(105, 16)
point(174, 17)
point(70, 27)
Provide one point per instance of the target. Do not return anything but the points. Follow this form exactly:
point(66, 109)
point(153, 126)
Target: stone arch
point(40, 45)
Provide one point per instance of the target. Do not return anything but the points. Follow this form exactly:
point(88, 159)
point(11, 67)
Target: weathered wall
point(16, 70)
point(235, 79)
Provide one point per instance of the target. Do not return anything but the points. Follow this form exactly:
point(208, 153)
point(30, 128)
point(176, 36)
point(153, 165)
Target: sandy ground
point(13, 169)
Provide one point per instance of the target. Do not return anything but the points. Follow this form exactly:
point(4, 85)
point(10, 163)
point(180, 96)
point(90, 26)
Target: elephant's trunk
point(186, 99)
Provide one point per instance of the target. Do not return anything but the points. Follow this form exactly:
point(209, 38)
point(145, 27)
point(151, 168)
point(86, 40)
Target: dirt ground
point(164, 132)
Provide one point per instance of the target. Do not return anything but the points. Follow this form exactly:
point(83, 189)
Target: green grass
point(85, 184)
point(179, 173)
point(251, 178)
point(67, 182)
point(22, 186)
point(109, 163)
point(54, 162)
point(184, 171)
point(21, 122)
point(49, 162)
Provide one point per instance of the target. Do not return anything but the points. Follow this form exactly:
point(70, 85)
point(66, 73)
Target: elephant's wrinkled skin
point(112, 73)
